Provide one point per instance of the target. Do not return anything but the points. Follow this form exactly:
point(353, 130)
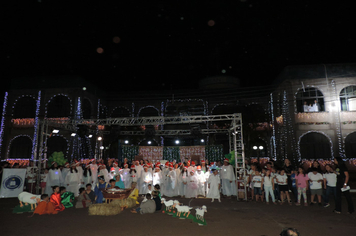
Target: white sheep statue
point(168, 204)
point(29, 198)
point(199, 212)
point(182, 209)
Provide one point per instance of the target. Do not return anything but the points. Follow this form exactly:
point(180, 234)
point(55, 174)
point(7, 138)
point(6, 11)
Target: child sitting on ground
point(157, 200)
point(146, 207)
point(90, 193)
point(83, 199)
point(45, 206)
point(134, 193)
point(157, 188)
point(56, 199)
point(67, 198)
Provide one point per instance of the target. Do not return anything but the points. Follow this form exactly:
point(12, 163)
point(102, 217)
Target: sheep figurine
point(168, 204)
point(182, 209)
point(199, 212)
point(29, 198)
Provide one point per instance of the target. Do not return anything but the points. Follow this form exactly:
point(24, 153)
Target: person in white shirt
point(227, 178)
point(104, 173)
point(79, 167)
point(257, 185)
point(316, 185)
point(329, 184)
point(182, 181)
point(268, 185)
point(88, 176)
point(94, 171)
point(282, 180)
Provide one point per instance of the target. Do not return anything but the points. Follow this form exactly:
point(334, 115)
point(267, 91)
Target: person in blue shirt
point(101, 185)
point(119, 183)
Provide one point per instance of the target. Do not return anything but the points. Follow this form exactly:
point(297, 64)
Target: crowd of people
point(281, 185)
point(288, 183)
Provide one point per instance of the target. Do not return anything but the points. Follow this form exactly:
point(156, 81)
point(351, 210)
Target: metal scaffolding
point(234, 131)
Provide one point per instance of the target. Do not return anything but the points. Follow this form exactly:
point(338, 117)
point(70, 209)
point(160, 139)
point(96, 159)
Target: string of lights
point(4, 105)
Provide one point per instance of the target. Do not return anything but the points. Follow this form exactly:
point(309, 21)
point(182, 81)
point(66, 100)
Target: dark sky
point(172, 44)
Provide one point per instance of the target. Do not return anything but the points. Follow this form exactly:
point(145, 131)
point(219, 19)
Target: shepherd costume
point(56, 200)
point(44, 208)
point(67, 199)
point(98, 193)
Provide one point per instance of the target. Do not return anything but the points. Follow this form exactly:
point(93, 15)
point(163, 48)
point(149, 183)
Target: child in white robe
point(192, 185)
point(72, 180)
point(202, 179)
point(214, 186)
point(171, 182)
point(146, 179)
point(182, 182)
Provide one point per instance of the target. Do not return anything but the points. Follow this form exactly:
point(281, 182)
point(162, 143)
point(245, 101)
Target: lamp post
point(258, 149)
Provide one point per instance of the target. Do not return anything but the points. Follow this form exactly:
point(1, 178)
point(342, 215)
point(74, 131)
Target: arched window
point(348, 98)
point(350, 145)
point(59, 107)
point(310, 100)
point(148, 111)
point(315, 145)
point(25, 108)
point(21, 147)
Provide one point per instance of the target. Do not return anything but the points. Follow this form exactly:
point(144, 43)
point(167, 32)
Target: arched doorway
point(350, 145)
point(315, 145)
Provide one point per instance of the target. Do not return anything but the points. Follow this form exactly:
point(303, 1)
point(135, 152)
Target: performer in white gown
point(157, 176)
point(65, 170)
point(54, 178)
point(165, 171)
point(202, 179)
point(88, 177)
point(146, 179)
point(72, 180)
point(171, 182)
point(227, 178)
point(104, 173)
point(192, 185)
point(94, 171)
point(214, 186)
point(125, 176)
point(139, 170)
point(182, 182)
point(79, 167)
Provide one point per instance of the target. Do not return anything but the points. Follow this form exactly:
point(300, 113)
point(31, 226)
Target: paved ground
point(227, 218)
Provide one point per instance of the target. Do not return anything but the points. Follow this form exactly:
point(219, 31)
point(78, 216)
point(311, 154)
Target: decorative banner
point(151, 152)
point(12, 182)
point(187, 151)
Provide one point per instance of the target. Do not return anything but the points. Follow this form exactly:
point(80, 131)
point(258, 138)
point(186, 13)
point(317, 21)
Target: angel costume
point(192, 186)
point(157, 178)
point(146, 178)
point(54, 178)
point(214, 191)
point(125, 177)
point(201, 185)
point(227, 175)
point(182, 183)
point(72, 182)
point(171, 183)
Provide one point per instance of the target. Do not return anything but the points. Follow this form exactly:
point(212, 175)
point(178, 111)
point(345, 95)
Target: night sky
point(149, 45)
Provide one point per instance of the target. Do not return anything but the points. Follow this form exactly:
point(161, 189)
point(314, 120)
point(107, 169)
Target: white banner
point(12, 182)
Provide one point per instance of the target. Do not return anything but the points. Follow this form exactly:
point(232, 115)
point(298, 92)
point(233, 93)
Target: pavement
point(230, 217)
